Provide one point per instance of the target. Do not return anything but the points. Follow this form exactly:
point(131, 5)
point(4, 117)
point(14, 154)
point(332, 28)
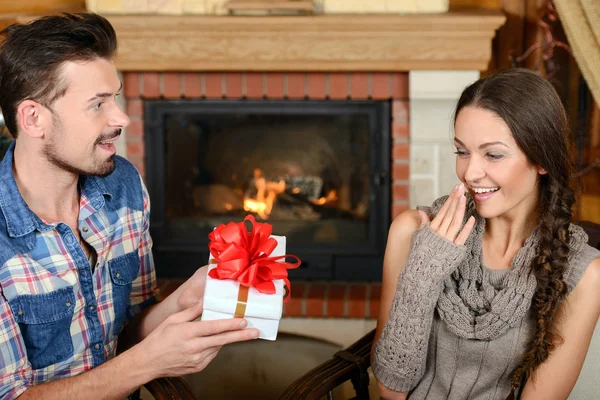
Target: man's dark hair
point(31, 56)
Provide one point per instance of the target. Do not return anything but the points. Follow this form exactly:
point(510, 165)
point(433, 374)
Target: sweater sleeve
point(400, 354)
point(581, 254)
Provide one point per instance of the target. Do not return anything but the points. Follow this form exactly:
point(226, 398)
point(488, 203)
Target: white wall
point(433, 96)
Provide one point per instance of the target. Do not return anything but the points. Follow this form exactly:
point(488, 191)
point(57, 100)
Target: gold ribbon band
point(242, 300)
point(240, 308)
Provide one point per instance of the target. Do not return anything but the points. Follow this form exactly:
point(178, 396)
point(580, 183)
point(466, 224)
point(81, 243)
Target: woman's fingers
point(448, 221)
point(439, 218)
point(464, 234)
point(459, 215)
point(449, 217)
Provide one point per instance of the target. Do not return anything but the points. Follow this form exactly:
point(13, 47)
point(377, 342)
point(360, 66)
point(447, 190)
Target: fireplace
point(322, 58)
point(317, 171)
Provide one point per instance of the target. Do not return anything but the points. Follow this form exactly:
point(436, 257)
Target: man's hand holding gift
point(192, 291)
point(239, 296)
point(180, 344)
point(248, 275)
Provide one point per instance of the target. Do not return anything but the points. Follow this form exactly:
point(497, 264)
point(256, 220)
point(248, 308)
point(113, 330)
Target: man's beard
point(98, 168)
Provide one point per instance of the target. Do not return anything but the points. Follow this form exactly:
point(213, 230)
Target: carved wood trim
point(449, 41)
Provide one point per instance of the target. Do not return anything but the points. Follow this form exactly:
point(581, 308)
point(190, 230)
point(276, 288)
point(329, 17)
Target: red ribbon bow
point(244, 256)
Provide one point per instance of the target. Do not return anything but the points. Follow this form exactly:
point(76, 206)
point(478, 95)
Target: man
point(75, 249)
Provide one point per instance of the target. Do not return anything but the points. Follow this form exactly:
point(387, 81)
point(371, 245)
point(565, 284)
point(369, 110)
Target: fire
point(266, 194)
point(257, 207)
point(330, 198)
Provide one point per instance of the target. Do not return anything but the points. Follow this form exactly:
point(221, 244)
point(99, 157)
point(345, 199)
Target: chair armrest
point(349, 364)
point(170, 389)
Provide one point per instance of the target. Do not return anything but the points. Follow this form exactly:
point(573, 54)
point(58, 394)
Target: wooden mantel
point(450, 41)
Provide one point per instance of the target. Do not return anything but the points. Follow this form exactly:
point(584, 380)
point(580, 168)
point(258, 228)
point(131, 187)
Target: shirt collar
point(95, 190)
point(20, 220)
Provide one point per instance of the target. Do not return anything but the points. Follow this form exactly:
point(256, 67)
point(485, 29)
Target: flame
point(257, 207)
point(266, 194)
point(329, 198)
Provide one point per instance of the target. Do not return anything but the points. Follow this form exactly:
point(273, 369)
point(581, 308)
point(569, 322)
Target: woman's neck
point(507, 233)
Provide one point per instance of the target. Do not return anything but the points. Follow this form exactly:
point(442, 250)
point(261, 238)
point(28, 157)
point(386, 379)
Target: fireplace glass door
point(316, 171)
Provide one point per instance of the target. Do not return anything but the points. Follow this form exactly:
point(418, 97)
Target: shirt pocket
point(45, 324)
point(123, 271)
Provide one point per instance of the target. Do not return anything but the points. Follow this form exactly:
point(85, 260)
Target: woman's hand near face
point(448, 221)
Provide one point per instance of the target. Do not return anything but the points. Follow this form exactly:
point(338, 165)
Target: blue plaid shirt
point(59, 316)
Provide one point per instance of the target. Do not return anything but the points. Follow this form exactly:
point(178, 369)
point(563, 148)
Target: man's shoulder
point(124, 170)
point(9, 246)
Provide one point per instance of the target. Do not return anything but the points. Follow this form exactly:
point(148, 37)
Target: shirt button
point(118, 274)
point(97, 346)
point(68, 303)
point(20, 312)
point(91, 307)
point(85, 229)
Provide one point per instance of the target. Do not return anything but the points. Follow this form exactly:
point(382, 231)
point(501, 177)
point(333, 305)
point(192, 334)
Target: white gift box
point(263, 311)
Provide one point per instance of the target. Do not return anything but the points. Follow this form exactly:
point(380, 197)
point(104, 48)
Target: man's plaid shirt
point(59, 316)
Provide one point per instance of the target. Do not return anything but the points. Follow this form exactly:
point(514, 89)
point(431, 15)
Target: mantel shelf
point(448, 41)
point(307, 43)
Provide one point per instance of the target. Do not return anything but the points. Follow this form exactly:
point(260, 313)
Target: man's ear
point(30, 118)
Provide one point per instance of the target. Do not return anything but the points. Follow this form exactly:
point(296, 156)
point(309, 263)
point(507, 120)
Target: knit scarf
point(469, 304)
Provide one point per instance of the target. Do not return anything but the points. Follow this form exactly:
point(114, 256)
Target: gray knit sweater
point(456, 329)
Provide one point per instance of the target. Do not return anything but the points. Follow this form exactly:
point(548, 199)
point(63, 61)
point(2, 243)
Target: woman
point(496, 290)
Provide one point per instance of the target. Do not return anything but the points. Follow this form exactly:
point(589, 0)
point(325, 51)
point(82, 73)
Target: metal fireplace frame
point(320, 261)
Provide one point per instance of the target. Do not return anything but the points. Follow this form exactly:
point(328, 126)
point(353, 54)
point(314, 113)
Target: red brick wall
point(319, 299)
point(310, 299)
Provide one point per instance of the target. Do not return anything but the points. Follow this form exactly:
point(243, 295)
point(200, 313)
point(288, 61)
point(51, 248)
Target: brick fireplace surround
point(311, 299)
